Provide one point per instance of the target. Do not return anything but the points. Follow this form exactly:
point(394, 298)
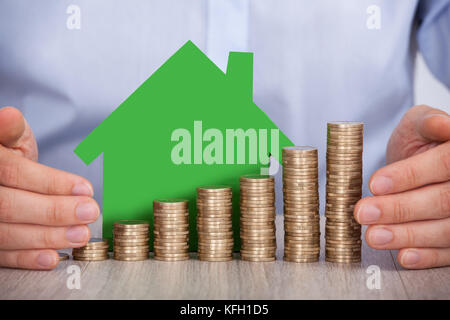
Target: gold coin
point(214, 188)
point(213, 259)
point(87, 255)
point(129, 224)
point(168, 259)
point(259, 259)
point(204, 240)
point(131, 234)
point(122, 258)
point(301, 260)
point(170, 203)
point(123, 251)
point(100, 258)
point(94, 251)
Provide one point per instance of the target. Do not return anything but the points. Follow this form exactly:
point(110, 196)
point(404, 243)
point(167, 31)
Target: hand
point(410, 209)
point(41, 208)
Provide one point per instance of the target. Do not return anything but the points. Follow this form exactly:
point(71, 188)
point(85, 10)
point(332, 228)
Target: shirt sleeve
point(433, 37)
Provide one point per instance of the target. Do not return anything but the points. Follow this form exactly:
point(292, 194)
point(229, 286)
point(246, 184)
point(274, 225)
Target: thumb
point(435, 126)
point(12, 126)
point(420, 129)
point(16, 134)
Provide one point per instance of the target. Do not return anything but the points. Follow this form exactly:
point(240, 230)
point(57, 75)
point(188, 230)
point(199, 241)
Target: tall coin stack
point(171, 229)
point(344, 182)
point(131, 240)
point(214, 223)
point(95, 250)
point(301, 204)
point(258, 242)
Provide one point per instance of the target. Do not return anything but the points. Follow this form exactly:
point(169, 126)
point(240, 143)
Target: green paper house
point(189, 124)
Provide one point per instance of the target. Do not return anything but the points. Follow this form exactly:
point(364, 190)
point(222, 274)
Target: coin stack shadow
point(214, 223)
point(95, 250)
point(131, 240)
point(257, 220)
point(171, 229)
point(301, 204)
point(344, 182)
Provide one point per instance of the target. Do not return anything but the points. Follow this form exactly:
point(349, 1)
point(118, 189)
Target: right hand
point(41, 208)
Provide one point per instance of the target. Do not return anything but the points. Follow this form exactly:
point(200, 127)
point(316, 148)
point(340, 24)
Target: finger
point(28, 236)
point(431, 166)
point(423, 258)
point(12, 126)
point(21, 173)
point(18, 206)
point(29, 259)
point(434, 125)
point(423, 234)
point(427, 203)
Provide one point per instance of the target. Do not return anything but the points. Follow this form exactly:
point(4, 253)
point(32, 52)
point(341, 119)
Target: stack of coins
point(258, 242)
point(171, 229)
point(214, 223)
point(131, 240)
point(95, 250)
point(344, 182)
point(301, 204)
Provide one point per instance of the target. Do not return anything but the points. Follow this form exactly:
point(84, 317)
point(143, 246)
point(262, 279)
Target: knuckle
point(53, 210)
point(433, 259)
point(444, 159)
point(402, 212)
point(9, 174)
point(410, 236)
point(51, 185)
point(410, 175)
point(5, 235)
point(48, 239)
point(21, 259)
point(5, 208)
point(444, 196)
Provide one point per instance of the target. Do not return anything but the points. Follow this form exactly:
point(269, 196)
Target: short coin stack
point(131, 240)
point(301, 204)
point(214, 223)
point(95, 250)
point(258, 242)
point(171, 229)
point(344, 181)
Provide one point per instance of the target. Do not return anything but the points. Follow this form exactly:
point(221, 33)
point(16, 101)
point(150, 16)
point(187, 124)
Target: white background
point(428, 90)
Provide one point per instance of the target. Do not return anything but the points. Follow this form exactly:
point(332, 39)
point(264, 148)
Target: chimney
point(240, 73)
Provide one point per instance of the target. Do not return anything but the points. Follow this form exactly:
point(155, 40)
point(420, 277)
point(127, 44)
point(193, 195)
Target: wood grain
point(237, 279)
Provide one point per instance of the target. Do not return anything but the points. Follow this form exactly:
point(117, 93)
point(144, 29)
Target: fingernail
point(380, 236)
point(76, 234)
point(46, 260)
point(368, 214)
point(410, 258)
point(86, 212)
point(446, 116)
point(82, 189)
point(381, 185)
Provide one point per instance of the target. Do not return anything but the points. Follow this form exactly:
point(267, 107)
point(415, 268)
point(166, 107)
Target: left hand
point(410, 209)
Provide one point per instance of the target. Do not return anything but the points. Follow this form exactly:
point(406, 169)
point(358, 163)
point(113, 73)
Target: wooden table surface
point(194, 279)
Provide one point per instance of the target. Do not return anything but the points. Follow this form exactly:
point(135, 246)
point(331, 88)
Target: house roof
point(187, 87)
